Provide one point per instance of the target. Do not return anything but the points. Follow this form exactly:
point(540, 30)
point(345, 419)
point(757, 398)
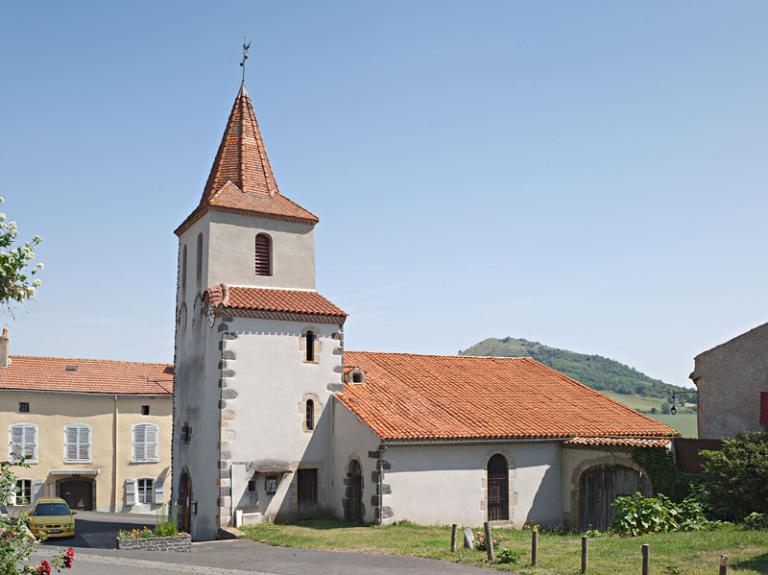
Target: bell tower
point(258, 349)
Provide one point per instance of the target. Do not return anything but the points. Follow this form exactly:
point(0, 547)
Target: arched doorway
point(354, 506)
point(184, 518)
point(78, 492)
point(599, 486)
point(498, 488)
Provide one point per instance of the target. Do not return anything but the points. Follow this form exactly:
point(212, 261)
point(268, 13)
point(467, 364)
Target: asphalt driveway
point(99, 530)
point(249, 558)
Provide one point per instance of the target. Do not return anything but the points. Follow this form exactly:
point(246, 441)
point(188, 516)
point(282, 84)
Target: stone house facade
point(732, 384)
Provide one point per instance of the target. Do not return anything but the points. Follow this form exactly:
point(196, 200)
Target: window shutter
point(70, 443)
point(23, 442)
point(158, 495)
point(30, 442)
point(139, 442)
point(85, 443)
point(37, 489)
point(263, 255)
point(151, 443)
point(17, 441)
point(130, 492)
point(764, 408)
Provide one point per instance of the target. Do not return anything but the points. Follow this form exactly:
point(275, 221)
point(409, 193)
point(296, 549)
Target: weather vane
point(246, 46)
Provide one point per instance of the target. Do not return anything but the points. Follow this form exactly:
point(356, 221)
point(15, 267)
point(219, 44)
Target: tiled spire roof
point(242, 158)
point(241, 178)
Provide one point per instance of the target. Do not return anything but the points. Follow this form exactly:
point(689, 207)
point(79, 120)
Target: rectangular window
point(251, 486)
point(764, 408)
point(270, 484)
point(144, 410)
point(23, 442)
point(144, 491)
point(23, 491)
point(307, 489)
point(77, 443)
point(145, 437)
point(24, 407)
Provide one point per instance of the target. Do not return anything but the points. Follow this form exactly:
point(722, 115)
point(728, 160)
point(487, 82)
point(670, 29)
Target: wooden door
point(185, 503)
point(354, 508)
point(498, 488)
point(599, 487)
point(307, 491)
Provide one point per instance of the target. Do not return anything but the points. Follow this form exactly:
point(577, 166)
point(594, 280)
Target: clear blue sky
point(591, 175)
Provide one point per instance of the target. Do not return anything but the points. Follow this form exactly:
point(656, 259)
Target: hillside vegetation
point(595, 371)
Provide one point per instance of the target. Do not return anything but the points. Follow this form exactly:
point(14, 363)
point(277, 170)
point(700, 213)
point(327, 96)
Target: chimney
point(5, 361)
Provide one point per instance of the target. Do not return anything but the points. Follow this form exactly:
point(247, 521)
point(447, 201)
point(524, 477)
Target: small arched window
point(263, 265)
point(199, 269)
point(309, 346)
point(184, 270)
point(309, 415)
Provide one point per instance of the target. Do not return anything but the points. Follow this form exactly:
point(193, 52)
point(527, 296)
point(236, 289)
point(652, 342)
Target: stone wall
point(182, 543)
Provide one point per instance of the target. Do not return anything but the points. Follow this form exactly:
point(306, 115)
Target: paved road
point(249, 558)
point(99, 530)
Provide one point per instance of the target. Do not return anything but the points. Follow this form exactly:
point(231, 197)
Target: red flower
point(45, 568)
point(69, 558)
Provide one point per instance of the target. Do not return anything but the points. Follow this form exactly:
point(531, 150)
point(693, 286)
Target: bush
point(480, 541)
point(166, 529)
point(756, 521)
point(508, 556)
point(635, 515)
point(738, 477)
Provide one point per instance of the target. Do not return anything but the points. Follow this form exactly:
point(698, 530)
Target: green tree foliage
point(738, 477)
point(595, 371)
point(17, 281)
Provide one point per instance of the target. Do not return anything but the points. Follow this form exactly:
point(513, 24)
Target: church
point(275, 420)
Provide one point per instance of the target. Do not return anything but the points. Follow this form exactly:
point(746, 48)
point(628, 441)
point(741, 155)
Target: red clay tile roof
point(427, 397)
point(241, 178)
point(616, 442)
point(86, 376)
point(272, 300)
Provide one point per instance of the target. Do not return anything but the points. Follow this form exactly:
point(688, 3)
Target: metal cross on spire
point(246, 46)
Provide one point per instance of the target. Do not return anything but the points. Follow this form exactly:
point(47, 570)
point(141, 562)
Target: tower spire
point(246, 47)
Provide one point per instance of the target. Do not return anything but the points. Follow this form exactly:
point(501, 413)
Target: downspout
point(114, 455)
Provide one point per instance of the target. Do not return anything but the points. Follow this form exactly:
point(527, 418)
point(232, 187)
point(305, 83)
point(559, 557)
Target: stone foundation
point(182, 543)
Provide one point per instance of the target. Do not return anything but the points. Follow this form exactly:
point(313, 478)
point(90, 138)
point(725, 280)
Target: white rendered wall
point(352, 439)
point(440, 485)
point(233, 237)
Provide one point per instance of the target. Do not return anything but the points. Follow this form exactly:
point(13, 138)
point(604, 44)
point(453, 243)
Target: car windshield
point(52, 509)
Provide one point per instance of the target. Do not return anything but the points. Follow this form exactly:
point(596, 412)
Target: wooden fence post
point(454, 527)
point(646, 559)
point(488, 542)
point(584, 543)
point(723, 564)
point(534, 546)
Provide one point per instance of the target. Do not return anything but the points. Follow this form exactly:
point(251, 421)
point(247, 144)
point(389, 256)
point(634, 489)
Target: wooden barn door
point(599, 487)
point(498, 488)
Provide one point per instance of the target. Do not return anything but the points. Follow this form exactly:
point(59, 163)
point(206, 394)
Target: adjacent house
point(732, 384)
point(276, 420)
point(96, 433)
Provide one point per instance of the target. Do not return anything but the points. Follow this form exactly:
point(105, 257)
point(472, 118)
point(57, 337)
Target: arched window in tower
point(184, 270)
point(263, 255)
point(309, 415)
point(309, 346)
point(199, 269)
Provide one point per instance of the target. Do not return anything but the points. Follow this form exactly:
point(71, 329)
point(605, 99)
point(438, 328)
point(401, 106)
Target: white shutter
point(130, 492)
point(151, 445)
point(16, 440)
point(12, 496)
point(37, 489)
point(77, 442)
point(71, 433)
point(84, 445)
point(158, 496)
point(23, 442)
point(139, 442)
point(30, 442)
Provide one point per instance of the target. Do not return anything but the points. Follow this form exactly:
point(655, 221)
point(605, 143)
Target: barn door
point(354, 507)
point(599, 487)
point(498, 488)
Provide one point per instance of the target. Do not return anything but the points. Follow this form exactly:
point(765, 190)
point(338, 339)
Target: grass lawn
point(693, 553)
point(684, 421)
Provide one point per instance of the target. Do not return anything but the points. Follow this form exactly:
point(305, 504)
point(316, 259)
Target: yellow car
point(51, 518)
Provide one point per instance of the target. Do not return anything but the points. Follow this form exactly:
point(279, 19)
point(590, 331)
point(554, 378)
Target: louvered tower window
point(263, 255)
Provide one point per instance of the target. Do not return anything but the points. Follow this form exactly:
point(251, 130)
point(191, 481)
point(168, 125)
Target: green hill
point(595, 371)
